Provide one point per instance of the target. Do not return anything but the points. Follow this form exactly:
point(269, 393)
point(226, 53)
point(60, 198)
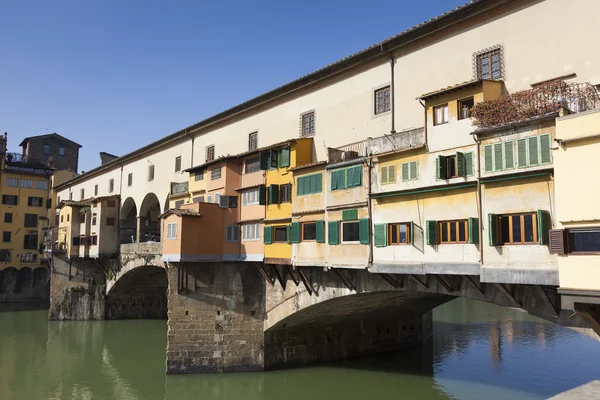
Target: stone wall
point(25, 284)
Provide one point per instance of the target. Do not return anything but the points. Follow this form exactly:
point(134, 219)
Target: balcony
point(253, 179)
point(396, 141)
point(347, 152)
point(21, 163)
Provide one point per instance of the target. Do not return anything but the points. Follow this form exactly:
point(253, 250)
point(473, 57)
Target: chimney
point(106, 157)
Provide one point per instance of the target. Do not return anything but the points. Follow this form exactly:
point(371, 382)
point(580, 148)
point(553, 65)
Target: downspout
point(369, 209)
point(424, 123)
point(479, 201)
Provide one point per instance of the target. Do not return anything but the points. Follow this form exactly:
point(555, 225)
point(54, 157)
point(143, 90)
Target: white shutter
point(223, 201)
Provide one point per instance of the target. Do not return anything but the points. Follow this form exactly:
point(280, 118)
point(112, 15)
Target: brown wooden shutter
point(557, 241)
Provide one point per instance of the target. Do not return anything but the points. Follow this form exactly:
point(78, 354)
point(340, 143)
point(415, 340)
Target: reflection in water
point(478, 351)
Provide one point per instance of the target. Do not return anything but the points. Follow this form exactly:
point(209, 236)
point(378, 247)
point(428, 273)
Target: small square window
point(399, 234)
point(307, 124)
point(382, 100)
point(46, 149)
point(350, 231)
point(6, 236)
point(8, 218)
point(464, 108)
point(489, 63)
point(199, 175)
point(215, 173)
point(309, 231)
point(280, 234)
point(440, 114)
point(61, 151)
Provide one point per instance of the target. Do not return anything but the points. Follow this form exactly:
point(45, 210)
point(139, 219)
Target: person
point(132, 239)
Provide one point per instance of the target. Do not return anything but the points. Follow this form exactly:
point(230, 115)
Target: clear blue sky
point(114, 75)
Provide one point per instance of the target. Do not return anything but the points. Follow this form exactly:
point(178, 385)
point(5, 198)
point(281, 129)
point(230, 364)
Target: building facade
point(53, 150)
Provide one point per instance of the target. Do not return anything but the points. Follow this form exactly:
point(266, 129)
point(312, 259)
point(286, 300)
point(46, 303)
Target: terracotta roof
point(72, 203)
point(304, 166)
point(448, 89)
point(181, 212)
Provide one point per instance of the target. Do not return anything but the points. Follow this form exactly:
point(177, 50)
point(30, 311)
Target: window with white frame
point(233, 233)
point(250, 197)
point(12, 182)
point(251, 232)
point(172, 231)
point(350, 232)
point(217, 198)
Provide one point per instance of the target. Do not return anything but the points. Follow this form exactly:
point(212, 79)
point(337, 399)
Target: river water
point(478, 351)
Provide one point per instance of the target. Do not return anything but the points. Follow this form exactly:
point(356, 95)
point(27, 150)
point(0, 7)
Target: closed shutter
point(357, 176)
point(488, 158)
point(522, 153)
point(320, 231)
point(300, 186)
point(509, 156)
point(432, 235)
point(284, 157)
point(264, 160)
point(268, 235)
point(468, 164)
point(295, 232)
point(262, 195)
point(557, 241)
point(333, 232)
point(493, 229)
point(349, 177)
point(405, 172)
point(411, 233)
point(363, 230)
point(312, 182)
point(288, 233)
point(474, 230)
point(532, 143)
point(380, 233)
point(414, 170)
point(319, 183)
point(460, 164)
point(334, 180)
point(546, 149)
point(348, 215)
point(273, 194)
point(544, 224)
point(273, 158)
point(384, 175)
point(498, 164)
point(440, 172)
point(341, 179)
point(391, 174)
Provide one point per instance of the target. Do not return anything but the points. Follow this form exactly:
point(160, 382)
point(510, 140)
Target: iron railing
point(347, 152)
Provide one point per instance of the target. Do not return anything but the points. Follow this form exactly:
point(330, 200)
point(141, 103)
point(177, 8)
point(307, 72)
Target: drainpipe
point(369, 208)
point(479, 201)
point(424, 123)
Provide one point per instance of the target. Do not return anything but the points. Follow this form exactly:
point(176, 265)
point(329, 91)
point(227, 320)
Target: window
point(453, 231)
point(489, 63)
point(70, 195)
point(9, 200)
point(518, 229)
point(172, 231)
point(499, 156)
point(150, 173)
point(346, 178)
point(4, 255)
point(583, 240)
point(210, 153)
point(82, 194)
point(440, 114)
point(95, 190)
point(94, 240)
point(46, 149)
point(280, 234)
point(456, 165)
point(61, 151)
point(251, 232)
point(215, 173)
point(30, 242)
point(399, 233)
point(209, 199)
point(110, 221)
point(8, 218)
point(93, 221)
point(41, 185)
point(285, 193)
point(31, 220)
point(130, 179)
point(253, 141)
point(76, 241)
point(451, 167)
point(534, 150)
point(68, 217)
point(309, 184)
point(250, 197)
point(26, 183)
point(179, 203)
point(6, 236)
point(388, 174)
point(111, 203)
point(309, 231)
point(382, 100)
point(177, 163)
point(199, 199)
point(232, 233)
point(350, 231)
point(307, 124)
point(199, 175)
point(464, 108)
point(232, 201)
point(12, 182)
point(410, 171)
point(252, 165)
point(217, 198)
point(35, 201)
point(111, 185)
point(82, 218)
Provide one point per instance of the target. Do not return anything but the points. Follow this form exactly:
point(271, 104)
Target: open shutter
point(493, 229)
point(440, 170)
point(544, 224)
point(268, 235)
point(380, 233)
point(363, 230)
point(468, 164)
point(522, 153)
point(333, 231)
point(384, 174)
point(498, 161)
point(460, 163)
point(546, 149)
point(357, 181)
point(391, 174)
point(262, 195)
point(273, 158)
point(405, 172)
point(432, 235)
point(319, 183)
point(295, 232)
point(320, 228)
point(557, 241)
point(509, 156)
point(532, 143)
point(412, 233)
point(274, 194)
point(288, 233)
point(284, 157)
point(474, 230)
point(264, 160)
point(488, 160)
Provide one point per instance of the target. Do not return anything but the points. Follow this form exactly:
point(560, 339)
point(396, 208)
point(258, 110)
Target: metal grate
point(382, 100)
point(307, 123)
point(489, 63)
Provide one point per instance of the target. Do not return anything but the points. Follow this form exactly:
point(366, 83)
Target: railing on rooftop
point(18, 158)
point(348, 152)
point(396, 141)
point(547, 98)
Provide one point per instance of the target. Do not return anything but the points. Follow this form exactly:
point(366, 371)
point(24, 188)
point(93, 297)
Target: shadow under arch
point(128, 227)
point(8, 280)
point(149, 212)
point(140, 293)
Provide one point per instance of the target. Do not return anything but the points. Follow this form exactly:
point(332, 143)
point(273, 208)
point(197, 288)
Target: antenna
point(45, 129)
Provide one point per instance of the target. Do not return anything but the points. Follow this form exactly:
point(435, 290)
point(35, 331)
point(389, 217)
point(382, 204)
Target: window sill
point(357, 242)
point(381, 114)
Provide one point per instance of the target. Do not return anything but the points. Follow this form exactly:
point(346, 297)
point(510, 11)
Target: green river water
point(478, 351)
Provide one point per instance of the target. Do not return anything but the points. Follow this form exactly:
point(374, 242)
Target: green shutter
point(440, 172)
point(414, 170)
point(532, 144)
point(522, 153)
point(300, 186)
point(268, 235)
point(469, 164)
point(493, 229)
point(460, 164)
point(488, 158)
point(288, 236)
point(348, 215)
point(546, 148)
point(320, 228)
point(349, 177)
point(544, 224)
point(273, 158)
point(432, 234)
point(474, 230)
point(284, 157)
point(509, 154)
point(273, 194)
point(333, 231)
point(319, 183)
point(391, 174)
point(313, 184)
point(262, 195)
point(405, 171)
point(295, 232)
point(357, 176)
point(363, 230)
point(264, 160)
point(384, 175)
point(341, 179)
point(498, 162)
point(411, 233)
point(380, 233)
point(334, 180)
